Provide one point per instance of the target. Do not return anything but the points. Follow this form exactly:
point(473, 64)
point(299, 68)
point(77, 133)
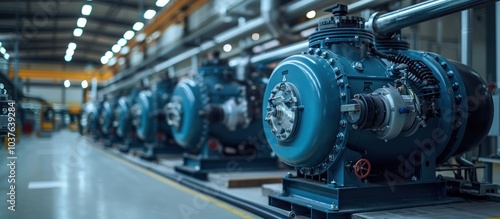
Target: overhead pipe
point(119, 81)
point(279, 30)
point(388, 23)
point(353, 8)
point(382, 23)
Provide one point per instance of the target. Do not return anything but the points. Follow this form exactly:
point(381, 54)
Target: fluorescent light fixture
point(138, 26)
point(311, 14)
point(86, 9)
point(67, 83)
point(85, 84)
point(116, 48)
point(129, 34)
point(149, 14)
point(125, 50)
point(6, 56)
point(78, 32)
point(140, 37)
point(122, 42)
point(255, 36)
point(108, 54)
point(72, 46)
point(112, 61)
point(2, 50)
point(227, 48)
point(121, 61)
point(104, 60)
point(68, 58)
point(70, 52)
point(81, 22)
point(162, 3)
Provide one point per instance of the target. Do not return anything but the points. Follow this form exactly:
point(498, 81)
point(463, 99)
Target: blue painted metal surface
point(151, 124)
point(357, 122)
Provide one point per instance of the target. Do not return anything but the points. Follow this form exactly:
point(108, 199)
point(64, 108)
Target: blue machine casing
point(201, 114)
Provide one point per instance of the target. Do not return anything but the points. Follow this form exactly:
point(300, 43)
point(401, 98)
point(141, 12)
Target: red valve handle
point(362, 168)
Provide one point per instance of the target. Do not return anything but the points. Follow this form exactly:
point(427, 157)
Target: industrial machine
point(90, 122)
point(216, 118)
point(106, 122)
point(366, 121)
point(149, 120)
point(125, 130)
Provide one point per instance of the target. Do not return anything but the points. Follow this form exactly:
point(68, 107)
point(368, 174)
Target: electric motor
point(216, 109)
point(147, 112)
point(352, 97)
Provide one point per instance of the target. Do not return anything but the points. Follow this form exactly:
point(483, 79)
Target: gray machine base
point(199, 167)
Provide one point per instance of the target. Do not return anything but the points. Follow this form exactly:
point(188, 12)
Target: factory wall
point(71, 95)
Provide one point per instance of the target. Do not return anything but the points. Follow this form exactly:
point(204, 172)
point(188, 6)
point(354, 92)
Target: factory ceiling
point(70, 31)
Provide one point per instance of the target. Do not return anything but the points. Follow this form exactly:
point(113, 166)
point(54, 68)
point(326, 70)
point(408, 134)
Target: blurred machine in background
point(148, 117)
point(216, 118)
point(125, 128)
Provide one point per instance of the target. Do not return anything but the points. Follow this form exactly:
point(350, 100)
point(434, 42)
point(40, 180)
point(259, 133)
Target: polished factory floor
point(63, 177)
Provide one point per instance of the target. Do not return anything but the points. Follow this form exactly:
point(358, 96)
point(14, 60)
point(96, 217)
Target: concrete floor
point(62, 177)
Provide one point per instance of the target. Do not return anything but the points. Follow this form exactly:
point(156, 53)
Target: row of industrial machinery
point(365, 121)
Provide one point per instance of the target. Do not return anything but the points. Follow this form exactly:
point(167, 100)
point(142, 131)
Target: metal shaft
point(428, 10)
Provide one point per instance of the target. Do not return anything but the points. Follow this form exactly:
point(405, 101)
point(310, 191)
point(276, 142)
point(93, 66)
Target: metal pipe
point(466, 40)
point(270, 14)
point(439, 35)
point(353, 8)
point(428, 10)
point(281, 53)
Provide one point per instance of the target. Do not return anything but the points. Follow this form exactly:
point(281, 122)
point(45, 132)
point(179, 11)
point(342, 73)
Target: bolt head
point(450, 74)
point(444, 65)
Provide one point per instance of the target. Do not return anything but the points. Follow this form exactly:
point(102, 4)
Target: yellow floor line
point(180, 187)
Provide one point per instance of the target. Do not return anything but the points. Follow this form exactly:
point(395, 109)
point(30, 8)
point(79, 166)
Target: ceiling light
point(2, 50)
point(162, 3)
point(72, 46)
point(81, 22)
point(125, 50)
point(86, 9)
point(138, 26)
point(122, 42)
point(78, 32)
point(255, 36)
point(70, 52)
point(140, 37)
point(85, 84)
point(149, 14)
point(116, 48)
point(227, 48)
point(128, 35)
point(121, 61)
point(104, 60)
point(311, 14)
point(112, 61)
point(6, 56)
point(67, 83)
point(108, 54)
point(68, 58)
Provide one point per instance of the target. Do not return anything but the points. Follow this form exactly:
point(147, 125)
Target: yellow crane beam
point(62, 75)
